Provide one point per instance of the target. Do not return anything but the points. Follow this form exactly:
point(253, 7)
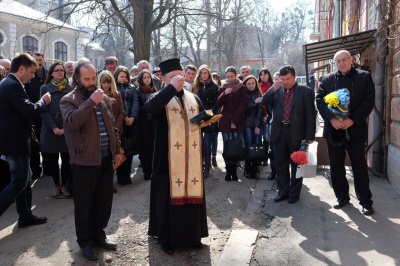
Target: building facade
point(23, 29)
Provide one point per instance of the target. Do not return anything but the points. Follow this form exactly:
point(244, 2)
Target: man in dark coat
point(32, 88)
point(177, 202)
point(16, 113)
point(362, 98)
point(293, 120)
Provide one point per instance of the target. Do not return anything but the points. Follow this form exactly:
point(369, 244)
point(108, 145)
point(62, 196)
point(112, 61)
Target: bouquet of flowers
point(338, 104)
point(300, 157)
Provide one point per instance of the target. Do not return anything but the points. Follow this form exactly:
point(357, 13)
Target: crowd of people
point(92, 119)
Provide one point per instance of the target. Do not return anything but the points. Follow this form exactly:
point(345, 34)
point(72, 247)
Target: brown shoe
point(214, 161)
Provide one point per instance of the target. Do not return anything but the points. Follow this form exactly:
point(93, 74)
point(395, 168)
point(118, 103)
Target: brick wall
point(393, 165)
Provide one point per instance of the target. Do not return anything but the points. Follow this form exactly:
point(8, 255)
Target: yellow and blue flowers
point(338, 103)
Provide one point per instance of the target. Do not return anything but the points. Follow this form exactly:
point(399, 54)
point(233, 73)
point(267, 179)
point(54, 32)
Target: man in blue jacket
point(16, 113)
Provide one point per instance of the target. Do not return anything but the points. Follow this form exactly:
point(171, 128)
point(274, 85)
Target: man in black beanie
point(177, 202)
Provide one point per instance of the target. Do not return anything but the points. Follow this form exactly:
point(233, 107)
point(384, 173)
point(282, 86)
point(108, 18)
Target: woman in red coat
point(233, 102)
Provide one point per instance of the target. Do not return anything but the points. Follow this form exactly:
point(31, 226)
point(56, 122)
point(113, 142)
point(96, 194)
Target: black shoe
point(271, 176)
point(107, 244)
point(89, 253)
point(167, 249)
point(33, 220)
point(339, 203)
point(367, 210)
point(292, 200)
point(128, 180)
point(280, 198)
point(115, 190)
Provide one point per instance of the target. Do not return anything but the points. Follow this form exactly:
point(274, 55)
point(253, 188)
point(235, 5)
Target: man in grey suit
point(293, 120)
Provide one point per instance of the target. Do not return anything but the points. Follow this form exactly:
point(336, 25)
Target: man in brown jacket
point(93, 146)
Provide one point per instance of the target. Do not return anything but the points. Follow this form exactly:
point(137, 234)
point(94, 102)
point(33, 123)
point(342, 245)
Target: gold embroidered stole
point(184, 146)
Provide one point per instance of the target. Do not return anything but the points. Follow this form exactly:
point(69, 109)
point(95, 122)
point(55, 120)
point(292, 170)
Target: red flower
point(299, 157)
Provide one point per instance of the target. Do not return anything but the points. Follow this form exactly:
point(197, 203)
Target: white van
point(301, 80)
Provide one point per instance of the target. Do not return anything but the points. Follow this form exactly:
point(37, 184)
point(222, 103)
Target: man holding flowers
point(346, 127)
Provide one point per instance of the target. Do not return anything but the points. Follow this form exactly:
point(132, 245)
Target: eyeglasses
point(342, 60)
point(58, 70)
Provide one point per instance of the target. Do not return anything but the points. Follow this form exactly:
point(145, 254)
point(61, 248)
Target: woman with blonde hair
point(207, 90)
point(106, 82)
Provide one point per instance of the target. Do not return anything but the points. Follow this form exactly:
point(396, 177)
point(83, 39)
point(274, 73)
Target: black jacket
point(16, 111)
point(32, 88)
point(362, 98)
point(302, 113)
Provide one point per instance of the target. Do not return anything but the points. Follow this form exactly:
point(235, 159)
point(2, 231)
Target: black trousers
point(51, 167)
point(356, 150)
point(147, 137)
point(287, 182)
point(93, 196)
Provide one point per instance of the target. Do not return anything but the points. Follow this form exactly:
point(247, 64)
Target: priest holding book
point(177, 202)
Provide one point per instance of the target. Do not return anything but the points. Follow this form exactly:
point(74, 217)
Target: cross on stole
point(194, 181)
point(194, 145)
point(175, 109)
point(177, 145)
point(179, 182)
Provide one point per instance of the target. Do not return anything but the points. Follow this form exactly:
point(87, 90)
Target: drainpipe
point(378, 112)
point(345, 24)
point(336, 19)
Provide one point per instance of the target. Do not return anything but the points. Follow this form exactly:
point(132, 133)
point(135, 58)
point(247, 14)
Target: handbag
point(130, 145)
point(233, 150)
point(256, 153)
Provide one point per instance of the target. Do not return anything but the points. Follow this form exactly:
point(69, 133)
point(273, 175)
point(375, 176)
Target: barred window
point(60, 51)
point(29, 44)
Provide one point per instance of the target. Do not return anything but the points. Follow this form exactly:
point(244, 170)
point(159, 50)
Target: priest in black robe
point(178, 215)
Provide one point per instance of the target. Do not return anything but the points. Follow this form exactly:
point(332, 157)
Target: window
point(60, 51)
point(1, 38)
point(30, 44)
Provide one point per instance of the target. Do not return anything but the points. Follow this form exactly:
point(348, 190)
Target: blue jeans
point(231, 135)
point(207, 141)
point(19, 188)
point(249, 137)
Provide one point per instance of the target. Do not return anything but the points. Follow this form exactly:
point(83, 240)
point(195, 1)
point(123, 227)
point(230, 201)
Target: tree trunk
point(142, 24)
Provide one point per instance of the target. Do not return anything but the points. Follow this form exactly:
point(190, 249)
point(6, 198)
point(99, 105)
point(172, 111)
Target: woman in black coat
point(52, 141)
point(146, 123)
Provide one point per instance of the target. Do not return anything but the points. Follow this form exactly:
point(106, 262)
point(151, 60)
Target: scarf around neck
point(60, 84)
point(235, 85)
point(146, 89)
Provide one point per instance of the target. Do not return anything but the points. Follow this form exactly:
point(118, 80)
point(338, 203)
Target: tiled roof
point(17, 9)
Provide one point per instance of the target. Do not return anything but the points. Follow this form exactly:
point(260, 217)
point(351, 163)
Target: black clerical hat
point(170, 65)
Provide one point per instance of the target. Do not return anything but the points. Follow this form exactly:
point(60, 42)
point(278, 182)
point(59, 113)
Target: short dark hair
point(38, 54)
point(191, 67)
point(110, 60)
point(288, 69)
point(51, 70)
point(231, 69)
point(22, 59)
point(77, 72)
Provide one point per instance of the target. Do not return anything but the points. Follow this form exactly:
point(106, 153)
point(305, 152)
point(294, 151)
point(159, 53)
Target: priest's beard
point(87, 91)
